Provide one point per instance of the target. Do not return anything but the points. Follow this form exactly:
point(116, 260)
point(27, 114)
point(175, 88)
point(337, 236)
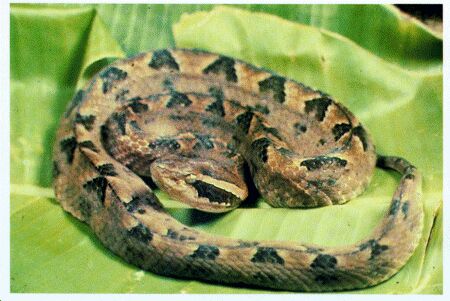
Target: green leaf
point(51, 48)
point(381, 29)
point(385, 68)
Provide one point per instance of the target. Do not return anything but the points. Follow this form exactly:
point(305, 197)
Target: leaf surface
point(389, 75)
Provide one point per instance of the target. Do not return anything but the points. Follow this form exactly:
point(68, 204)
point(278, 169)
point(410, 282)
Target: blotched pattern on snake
point(194, 122)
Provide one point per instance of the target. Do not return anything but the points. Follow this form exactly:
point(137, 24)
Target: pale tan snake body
point(193, 122)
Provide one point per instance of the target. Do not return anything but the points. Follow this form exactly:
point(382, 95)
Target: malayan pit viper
point(192, 121)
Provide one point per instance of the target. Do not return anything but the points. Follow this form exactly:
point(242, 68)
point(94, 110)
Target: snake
point(204, 128)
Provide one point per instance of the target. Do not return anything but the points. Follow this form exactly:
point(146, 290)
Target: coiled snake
point(193, 121)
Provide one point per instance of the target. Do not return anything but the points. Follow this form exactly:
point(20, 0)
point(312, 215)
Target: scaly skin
point(192, 121)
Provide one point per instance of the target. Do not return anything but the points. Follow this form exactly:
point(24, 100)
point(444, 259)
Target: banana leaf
point(388, 71)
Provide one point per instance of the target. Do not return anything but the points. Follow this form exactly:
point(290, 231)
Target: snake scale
point(193, 122)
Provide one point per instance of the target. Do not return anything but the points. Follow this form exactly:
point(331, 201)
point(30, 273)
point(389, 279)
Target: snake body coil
point(192, 121)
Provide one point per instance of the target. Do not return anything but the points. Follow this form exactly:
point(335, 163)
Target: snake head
point(202, 183)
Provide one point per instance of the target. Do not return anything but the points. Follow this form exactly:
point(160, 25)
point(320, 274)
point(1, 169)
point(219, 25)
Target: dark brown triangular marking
point(86, 120)
point(109, 76)
point(217, 106)
point(395, 206)
point(97, 186)
point(121, 119)
point(223, 65)
point(140, 202)
point(178, 99)
point(375, 248)
point(105, 134)
point(206, 252)
point(324, 266)
point(324, 261)
point(203, 142)
point(244, 120)
point(68, 146)
point(163, 58)
point(362, 135)
point(340, 129)
point(141, 233)
point(276, 85)
point(267, 255)
point(259, 147)
point(138, 107)
point(319, 106)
